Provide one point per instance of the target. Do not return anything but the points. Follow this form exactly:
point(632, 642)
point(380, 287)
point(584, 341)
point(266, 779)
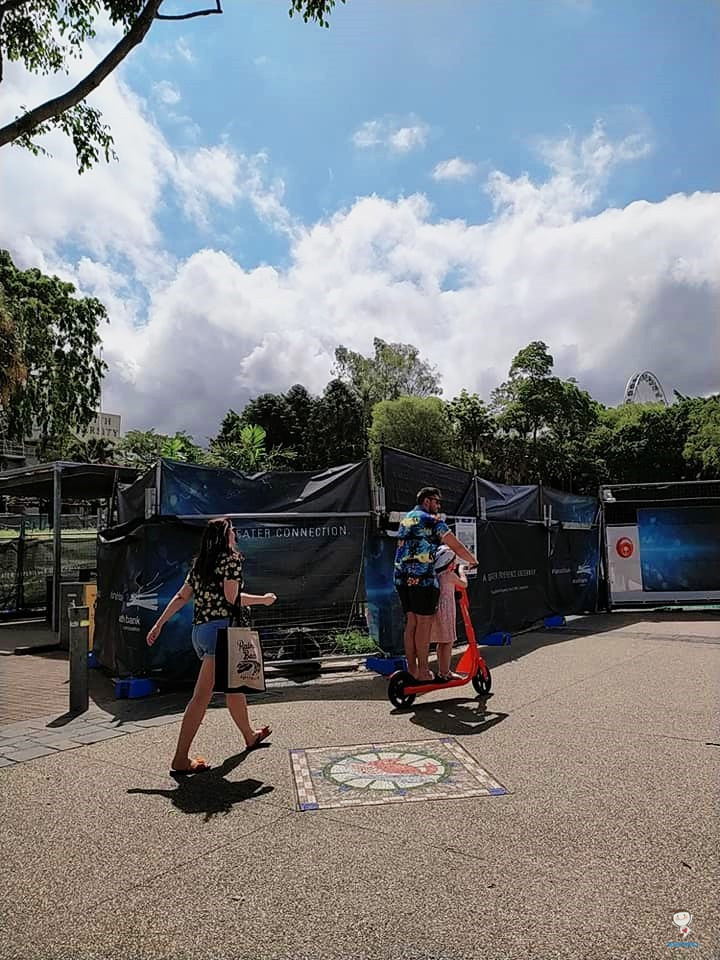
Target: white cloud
point(607, 289)
point(607, 292)
point(220, 176)
point(166, 93)
point(580, 171)
point(455, 169)
point(183, 50)
point(408, 138)
point(396, 136)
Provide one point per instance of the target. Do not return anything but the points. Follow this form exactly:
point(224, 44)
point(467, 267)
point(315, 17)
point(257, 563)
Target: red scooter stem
point(469, 662)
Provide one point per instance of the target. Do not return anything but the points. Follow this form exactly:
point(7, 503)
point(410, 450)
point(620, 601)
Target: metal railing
point(10, 448)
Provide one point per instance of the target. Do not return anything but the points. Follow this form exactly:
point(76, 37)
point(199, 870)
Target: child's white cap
point(444, 558)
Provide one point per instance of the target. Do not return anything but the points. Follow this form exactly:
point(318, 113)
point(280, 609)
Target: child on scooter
point(450, 574)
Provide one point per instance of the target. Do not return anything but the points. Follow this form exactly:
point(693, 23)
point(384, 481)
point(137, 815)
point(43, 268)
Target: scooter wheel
point(396, 691)
point(481, 683)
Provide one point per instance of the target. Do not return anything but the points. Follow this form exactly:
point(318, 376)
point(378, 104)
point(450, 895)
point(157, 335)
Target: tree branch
point(186, 16)
point(52, 109)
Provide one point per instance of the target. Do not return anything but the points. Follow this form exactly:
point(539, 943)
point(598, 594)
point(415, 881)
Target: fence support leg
point(79, 634)
point(20, 585)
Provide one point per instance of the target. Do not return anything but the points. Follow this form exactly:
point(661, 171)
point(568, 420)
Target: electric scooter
point(403, 687)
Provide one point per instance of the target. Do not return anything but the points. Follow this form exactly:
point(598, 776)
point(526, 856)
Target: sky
point(466, 177)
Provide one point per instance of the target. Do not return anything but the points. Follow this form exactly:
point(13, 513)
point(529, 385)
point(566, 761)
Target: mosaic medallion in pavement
point(375, 773)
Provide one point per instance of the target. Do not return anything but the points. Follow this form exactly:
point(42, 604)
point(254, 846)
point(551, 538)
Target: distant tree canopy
point(537, 427)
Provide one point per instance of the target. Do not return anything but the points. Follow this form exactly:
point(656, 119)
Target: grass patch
point(354, 643)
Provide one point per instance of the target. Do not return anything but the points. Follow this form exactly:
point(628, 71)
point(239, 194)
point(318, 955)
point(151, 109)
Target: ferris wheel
point(645, 388)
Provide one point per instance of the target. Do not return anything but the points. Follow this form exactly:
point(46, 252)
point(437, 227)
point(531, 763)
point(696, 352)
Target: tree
point(12, 368)
point(394, 371)
point(247, 451)
point(45, 35)
point(143, 448)
point(474, 428)
point(544, 421)
point(82, 449)
point(702, 447)
point(54, 374)
point(336, 428)
point(641, 443)
point(420, 425)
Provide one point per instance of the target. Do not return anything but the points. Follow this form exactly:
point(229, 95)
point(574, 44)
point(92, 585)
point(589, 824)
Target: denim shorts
point(204, 637)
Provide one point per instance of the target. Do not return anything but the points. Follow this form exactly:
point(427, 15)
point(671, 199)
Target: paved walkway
point(604, 736)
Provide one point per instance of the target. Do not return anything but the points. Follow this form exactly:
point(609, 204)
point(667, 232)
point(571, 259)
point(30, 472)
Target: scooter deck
point(426, 686)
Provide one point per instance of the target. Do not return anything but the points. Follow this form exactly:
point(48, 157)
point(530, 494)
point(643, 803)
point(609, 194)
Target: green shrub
point(354, 642)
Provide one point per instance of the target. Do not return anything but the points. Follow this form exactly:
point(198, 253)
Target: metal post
point(57, 545)
point(158, 487)
point(20, 568)
point(477, 496)
point(79, 632)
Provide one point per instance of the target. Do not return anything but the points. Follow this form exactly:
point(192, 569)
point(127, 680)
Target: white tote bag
point(239, 661)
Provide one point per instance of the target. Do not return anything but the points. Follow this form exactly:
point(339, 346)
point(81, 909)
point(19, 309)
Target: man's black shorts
point(422, 601)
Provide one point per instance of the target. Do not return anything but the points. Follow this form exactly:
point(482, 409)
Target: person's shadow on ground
point(457, 717)
point(210, 793)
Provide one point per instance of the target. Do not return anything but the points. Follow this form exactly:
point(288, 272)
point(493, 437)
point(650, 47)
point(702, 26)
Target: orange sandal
point(198, 765)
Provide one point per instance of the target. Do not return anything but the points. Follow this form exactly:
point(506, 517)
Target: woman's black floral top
point(209, 597)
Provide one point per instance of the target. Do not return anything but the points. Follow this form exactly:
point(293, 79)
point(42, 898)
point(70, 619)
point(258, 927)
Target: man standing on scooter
point(421, 534)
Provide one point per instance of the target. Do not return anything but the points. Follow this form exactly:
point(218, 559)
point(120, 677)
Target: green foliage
point(395, 370)
point(284, 417)
point(473, 428)
point(336, 433)
point(702, 447)
point(543, 422)
point(244, 448)
point(303, 431)
point(317, 10)
point(420, 425)
point(354, 643)
point(90, 136)
point(46, 35)
point(641, 443)
point(13, 371)
point(143, 448)
point(53, 374)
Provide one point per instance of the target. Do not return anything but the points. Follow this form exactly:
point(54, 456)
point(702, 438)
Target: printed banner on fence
point(671, 553)
point(307, 563)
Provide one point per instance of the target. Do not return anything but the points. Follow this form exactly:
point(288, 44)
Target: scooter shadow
point(461, 716)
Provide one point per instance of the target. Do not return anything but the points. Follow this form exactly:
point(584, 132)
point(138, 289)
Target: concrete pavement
point(606, 736)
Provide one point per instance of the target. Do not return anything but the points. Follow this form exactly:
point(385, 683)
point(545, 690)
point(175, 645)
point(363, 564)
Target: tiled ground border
point(370, 774)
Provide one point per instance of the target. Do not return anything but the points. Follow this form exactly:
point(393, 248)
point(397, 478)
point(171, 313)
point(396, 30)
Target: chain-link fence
point(26, 565)
point(37, 522)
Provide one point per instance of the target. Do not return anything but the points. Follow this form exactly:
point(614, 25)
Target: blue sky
point(488, 78)
point(240, 237)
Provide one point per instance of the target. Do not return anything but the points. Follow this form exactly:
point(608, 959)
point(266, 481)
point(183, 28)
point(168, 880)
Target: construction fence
point(26, 561)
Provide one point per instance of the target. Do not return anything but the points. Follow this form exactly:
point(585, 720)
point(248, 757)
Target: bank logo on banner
point(148, 601)
point(624, 560)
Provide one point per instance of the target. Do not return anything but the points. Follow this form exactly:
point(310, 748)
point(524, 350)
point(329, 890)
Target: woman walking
point(215, 583)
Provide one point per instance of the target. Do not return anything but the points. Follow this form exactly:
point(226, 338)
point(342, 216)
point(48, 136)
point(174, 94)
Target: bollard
point(79, 630)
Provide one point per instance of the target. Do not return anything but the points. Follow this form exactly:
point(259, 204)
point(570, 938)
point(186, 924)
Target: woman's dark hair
point(214, 545)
